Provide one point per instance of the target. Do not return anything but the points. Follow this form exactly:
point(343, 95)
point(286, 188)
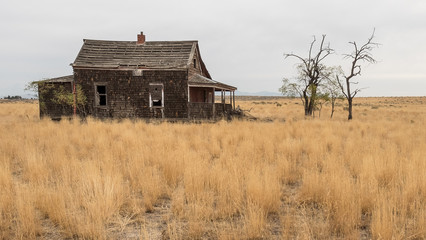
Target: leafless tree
point(311, 73)
point(360, 54)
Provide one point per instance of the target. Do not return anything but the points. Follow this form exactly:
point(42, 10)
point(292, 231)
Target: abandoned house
point(137, 79)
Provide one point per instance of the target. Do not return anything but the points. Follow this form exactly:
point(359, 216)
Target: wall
point(195, 69)
point(200, 110)
point(201, 94)
point(128, 95)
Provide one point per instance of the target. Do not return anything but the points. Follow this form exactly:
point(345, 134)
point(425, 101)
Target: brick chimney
point(141, 38)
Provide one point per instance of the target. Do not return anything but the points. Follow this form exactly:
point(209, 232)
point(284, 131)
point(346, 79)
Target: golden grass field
point(290, 177)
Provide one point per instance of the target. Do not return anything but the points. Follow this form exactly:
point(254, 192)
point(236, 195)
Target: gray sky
point(241, 42)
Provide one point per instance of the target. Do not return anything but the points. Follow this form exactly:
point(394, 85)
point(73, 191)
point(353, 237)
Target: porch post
point(223, 100)
point(213, 95)
point(221, 96)
point(214, 105)
point(233, 97)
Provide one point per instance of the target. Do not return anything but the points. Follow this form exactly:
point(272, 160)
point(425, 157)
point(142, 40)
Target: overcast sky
point(241, 42)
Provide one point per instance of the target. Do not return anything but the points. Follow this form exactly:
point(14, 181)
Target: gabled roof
point(129, 54)
point(200, 81)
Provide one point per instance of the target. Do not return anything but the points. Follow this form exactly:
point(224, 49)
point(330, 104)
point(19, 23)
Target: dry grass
point(289, 178)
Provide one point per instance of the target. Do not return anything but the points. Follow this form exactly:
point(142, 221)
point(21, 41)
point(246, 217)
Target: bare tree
point(311, 73)
point(360, 54)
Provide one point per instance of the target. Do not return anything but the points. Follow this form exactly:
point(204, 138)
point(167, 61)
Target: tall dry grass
point(292, 178)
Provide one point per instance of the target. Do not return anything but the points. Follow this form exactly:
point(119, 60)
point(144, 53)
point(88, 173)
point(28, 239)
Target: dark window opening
point(101, 89)
point(101, 95)
point(156, 95)
point(195, 63)
point(102, 100)
point(156, 103)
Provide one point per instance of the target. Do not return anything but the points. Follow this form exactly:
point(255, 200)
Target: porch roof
point(68, 78)
point(199, 81)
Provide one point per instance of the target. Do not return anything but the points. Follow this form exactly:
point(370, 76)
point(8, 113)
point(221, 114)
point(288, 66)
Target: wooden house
point(139, 79)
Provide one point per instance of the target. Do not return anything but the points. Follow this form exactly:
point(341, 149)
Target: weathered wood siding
point(196, 69)
point(198, 110)
point(128, 94)
point(47, 104)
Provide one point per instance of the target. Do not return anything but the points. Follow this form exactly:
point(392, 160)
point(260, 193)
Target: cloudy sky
point(241, 42)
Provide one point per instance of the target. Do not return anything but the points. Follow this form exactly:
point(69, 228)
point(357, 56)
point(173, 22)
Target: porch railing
point(208, 110)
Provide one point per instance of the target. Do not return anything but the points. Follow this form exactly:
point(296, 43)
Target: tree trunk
point(306, 104)
point(307, 113)
point(350, 109)
point(349, 96)
point(310, 107)
point(312, 101)
point(332, 107)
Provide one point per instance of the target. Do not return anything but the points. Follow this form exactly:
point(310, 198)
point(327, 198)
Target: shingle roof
point(68, 78)
point(198, 80)
point(153, 54)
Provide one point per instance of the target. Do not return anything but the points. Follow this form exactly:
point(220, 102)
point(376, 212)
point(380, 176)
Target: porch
point(202, 102)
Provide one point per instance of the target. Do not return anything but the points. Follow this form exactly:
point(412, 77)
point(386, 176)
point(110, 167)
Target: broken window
point(101, 95)
point(156, 103)
point(156, 95)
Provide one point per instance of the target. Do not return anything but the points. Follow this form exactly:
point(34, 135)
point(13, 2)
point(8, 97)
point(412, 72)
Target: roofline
point(218, 86)
point(57, 79)
point(179, 41)
point(203, 66)
point(81, 49)
point(85, 40)
point(127, 68)
point(191, 55)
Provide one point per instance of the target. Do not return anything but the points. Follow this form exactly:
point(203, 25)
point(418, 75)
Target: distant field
point(283, 176)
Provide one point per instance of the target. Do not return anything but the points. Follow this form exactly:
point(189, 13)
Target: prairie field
point(282, 176)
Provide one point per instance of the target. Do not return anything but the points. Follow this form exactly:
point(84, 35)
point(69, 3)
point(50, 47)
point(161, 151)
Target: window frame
point(151, 102)
point(98, 95)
